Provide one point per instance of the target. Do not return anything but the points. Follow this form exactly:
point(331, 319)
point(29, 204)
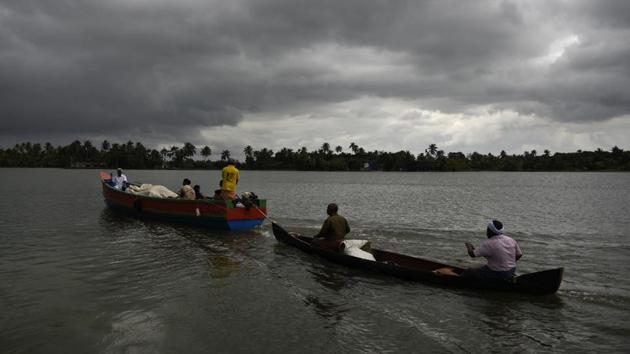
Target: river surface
point(76, 277)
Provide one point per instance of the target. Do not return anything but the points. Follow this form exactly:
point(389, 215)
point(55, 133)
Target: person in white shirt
point(120, 180)
point(501, 251)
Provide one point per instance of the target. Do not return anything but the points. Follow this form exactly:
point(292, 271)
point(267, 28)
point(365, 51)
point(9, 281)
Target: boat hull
point(213, 214)
point(423, 270)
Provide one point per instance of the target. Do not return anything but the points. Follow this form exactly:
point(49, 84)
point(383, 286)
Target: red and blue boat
point(210, 213)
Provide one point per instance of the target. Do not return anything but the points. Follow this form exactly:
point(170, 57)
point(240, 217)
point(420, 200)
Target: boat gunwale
point(305, 239)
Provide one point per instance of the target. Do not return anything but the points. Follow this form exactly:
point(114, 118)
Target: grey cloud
point(161, 68)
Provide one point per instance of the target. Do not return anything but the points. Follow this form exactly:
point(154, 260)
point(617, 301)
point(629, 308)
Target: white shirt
point(119, 182)
point(500, 251)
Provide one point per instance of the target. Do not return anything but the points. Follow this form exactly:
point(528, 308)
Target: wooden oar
point(263, 213)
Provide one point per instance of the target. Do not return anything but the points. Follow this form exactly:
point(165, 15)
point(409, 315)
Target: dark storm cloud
point(84, 69)
point(155, 68)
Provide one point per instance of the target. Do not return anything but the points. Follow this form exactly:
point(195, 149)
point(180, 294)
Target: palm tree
point(431, 150)
point(249, 155)
point(338, 149)
point(48, 147)
point(206, 152)
point(248, 151)
point(189, 150)
point(326, 148)
point(174, 152)
point(354, 147)
point(225, 155)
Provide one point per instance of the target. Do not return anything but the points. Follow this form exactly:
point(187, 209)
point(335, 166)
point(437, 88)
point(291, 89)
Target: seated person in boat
point(217, 195)
point(229, 179)
point(120, 180)
point(186, 192)
point(197, 190)
point(110, 181)
point(500, 250)
point(333, 230)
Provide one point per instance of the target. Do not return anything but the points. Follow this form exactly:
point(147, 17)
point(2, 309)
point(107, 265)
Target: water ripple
point(78, 277)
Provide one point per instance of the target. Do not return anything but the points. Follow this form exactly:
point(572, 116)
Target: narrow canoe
point(213, 214)
point(418, 269)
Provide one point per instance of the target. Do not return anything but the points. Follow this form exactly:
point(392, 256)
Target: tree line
point(188, 156)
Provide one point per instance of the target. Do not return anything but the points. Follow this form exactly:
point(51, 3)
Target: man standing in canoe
point(333, 230)
point(229, 180)
point(500, 250)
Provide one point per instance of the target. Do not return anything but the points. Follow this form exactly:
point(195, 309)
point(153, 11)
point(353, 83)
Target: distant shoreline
point(132, 155)
point(112, 169)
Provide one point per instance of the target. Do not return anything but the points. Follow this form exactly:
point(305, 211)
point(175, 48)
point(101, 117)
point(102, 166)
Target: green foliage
point(136, 155)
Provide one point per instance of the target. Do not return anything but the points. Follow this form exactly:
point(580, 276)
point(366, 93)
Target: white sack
point(152, 190)
point(353, 248)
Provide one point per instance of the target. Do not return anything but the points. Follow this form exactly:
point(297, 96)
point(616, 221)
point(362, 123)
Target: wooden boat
point(214, 214)
point(418, 269)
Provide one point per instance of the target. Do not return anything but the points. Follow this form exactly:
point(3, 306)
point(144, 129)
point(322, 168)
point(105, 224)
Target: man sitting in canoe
point(500, 250)
point(198, 194)
point(120, 180)
point(186, 192)
point(333, 230)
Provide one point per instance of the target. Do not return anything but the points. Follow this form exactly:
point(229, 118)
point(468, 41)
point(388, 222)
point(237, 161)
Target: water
point(78, 278)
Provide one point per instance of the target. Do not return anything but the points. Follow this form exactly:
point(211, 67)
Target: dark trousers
point(488, 274)
point(327, 244)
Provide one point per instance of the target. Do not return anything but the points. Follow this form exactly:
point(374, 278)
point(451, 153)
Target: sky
point(388, 75)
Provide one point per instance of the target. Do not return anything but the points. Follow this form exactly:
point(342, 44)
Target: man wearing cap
point(120, 180)
point(333, 230)
point(501, 252)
